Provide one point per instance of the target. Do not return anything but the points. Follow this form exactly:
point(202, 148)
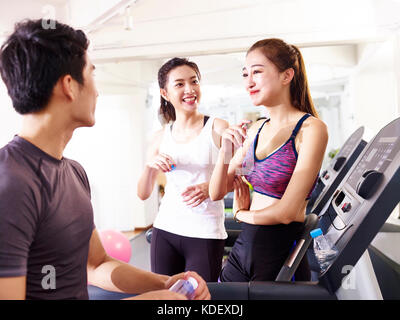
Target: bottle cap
point(315, 233)
point(193, 282)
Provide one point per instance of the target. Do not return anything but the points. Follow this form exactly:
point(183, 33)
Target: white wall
point(111, 153)
point(374, 86)
point(374, 89)
point(10, 120)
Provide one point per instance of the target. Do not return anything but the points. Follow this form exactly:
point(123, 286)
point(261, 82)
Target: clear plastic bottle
point(324, 251)
point(185, 287)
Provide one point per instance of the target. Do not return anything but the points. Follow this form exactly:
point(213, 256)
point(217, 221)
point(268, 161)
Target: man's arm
point(13, 288)
point(114, 275)
point(18, 219)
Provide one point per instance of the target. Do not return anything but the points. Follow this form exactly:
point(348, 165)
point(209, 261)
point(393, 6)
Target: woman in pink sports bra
point(280, 157)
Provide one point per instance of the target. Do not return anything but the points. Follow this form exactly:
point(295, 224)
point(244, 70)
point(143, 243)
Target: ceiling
point(215, 34)
point(161, 28)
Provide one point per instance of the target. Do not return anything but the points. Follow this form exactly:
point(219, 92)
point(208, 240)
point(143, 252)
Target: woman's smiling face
point(262, 79)
point(183, 88)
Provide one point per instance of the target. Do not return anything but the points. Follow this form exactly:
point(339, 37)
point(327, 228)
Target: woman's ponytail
point(299, 89)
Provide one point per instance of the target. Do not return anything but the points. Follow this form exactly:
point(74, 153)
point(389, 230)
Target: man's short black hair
point(35, 56)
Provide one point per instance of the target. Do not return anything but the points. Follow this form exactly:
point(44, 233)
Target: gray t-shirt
point(46, 221)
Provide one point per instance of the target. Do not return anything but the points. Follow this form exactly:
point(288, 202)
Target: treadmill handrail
point(293, 260)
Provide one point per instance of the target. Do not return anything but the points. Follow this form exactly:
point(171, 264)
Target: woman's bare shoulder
point(155, 138)
point(315, 125)
point(220, 125)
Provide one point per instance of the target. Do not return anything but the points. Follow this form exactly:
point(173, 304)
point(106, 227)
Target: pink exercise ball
point(116, 244)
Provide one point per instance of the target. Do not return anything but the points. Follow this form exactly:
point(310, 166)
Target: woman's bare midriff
point(260, 201)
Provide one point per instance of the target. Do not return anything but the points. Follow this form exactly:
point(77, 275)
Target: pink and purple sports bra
point(270, 176)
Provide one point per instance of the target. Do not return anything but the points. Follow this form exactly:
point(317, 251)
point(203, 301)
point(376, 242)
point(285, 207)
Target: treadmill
point(361, 204)
point(360, 207)
point(335, 171)
point(329, 181)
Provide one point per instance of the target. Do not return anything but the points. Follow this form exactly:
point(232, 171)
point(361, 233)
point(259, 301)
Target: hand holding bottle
point(201, 292)
point(233, 137)
point(162, 162)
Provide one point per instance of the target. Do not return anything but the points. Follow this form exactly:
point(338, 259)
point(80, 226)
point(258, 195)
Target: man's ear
point(68, 85)
point(288, 75)
point(164, 94)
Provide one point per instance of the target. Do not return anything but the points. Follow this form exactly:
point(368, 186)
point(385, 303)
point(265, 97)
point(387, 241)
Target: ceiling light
point(128, 19)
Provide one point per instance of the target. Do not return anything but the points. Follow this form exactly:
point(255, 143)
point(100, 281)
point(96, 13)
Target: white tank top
point(195, 162)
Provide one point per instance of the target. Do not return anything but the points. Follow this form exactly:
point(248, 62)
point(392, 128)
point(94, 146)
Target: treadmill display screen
point(351, 143)
point(346, 150)
point(377, 157)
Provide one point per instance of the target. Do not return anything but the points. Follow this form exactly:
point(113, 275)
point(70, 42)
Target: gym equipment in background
point(359, 207)
point(335, 171)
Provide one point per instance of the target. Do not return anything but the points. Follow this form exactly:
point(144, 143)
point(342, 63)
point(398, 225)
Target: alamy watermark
point(49, 19)
point(349, 280)
point(49, 280)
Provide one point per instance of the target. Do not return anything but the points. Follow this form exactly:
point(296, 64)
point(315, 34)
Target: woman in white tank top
point(189, 230)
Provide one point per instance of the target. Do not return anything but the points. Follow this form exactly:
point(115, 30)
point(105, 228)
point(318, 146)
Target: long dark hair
point(167, 110)
point(285, 56)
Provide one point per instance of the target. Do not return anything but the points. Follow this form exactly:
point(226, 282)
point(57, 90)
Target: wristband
point(235, 214)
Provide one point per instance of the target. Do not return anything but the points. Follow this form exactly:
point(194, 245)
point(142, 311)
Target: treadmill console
point(364, 178)
point(336, 171)
point(343, 155)
point(363, 202)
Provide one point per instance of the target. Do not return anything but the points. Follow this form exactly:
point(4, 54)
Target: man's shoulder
point(13, 167)
point(75, 164)
point(16, 182)
point(79, 171)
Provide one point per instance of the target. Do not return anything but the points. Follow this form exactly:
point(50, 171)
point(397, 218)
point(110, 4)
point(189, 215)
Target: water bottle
point(185, 287)
point(324, 251)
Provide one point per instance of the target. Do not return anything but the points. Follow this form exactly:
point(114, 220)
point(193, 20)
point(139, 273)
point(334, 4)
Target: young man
point(46, 217)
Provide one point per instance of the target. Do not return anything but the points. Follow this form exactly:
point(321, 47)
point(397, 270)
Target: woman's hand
point(234, 136)
point(161, 162)
point(194, 195)
point(241, 199)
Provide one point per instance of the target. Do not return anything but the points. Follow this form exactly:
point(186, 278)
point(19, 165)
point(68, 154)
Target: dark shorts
point(260, 251)
point(172, 254)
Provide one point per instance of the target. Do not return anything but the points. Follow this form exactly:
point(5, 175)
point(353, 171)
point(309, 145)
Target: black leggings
point(260, 251)
point(172, 254)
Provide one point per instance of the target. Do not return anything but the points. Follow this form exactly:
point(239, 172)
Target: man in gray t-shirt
point(46, 221)
point(49, 246)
